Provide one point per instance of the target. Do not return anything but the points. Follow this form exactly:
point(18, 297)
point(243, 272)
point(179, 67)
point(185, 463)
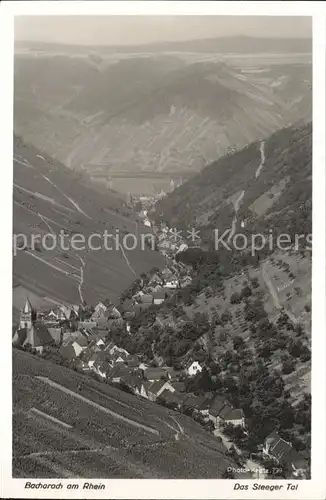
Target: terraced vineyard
point(86, 441)
point(49, 198)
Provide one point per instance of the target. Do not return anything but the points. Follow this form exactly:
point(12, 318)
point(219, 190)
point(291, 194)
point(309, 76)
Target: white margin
point(188, 489)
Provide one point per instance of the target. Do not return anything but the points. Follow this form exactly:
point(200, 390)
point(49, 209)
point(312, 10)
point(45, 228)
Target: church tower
point(26, 315)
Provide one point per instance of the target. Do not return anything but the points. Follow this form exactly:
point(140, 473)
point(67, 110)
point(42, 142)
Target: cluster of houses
point(161, 384)
point(70, 328)
point(74, 328)
point(170, 242)
point(90, 351)
point(159, 287)
point(167, 243)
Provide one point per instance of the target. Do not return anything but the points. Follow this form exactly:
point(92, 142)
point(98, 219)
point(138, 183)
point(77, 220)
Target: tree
point(223, 336)
point(283, 320)
point(295, 348)
point(246, 292)
point(264, 351)
point(299, 330)
point(305, 354)
point(288, 366)
point(226, 317)
point(238, 342)
point(235, 298)
point(255, 283)
point(228, 474)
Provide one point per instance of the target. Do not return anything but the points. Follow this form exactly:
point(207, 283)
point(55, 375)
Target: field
point(58, 433)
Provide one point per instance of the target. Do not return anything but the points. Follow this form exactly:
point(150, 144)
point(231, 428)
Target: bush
point(255, 283)
point(226, 317)
point(288, 366)
point(235, 298)
point(246, 292)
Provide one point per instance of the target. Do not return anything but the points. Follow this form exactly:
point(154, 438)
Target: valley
point(178, 347)
point(176, 112)
point(49, 198)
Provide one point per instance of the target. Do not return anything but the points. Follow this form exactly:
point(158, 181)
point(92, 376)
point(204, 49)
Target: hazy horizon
point(141, 30)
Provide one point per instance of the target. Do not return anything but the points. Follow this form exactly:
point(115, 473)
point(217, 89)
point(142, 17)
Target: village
point(79, 337)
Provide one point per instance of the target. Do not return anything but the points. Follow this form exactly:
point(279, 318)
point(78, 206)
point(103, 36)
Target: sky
point(134, 30)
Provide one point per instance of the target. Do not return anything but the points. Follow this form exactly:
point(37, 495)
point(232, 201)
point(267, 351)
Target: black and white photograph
point(162, 252)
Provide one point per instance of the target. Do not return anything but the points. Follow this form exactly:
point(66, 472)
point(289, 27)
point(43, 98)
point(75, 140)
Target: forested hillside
point(277, 190)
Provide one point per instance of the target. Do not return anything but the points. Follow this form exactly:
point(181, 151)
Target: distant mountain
point(159, 113)
point(234, 44)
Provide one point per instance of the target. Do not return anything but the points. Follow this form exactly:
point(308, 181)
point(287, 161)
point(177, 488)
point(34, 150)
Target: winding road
point(262, 161)
point(81, 279)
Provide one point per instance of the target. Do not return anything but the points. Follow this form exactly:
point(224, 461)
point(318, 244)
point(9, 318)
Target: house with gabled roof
point(118, 357)
point(100, 307)
point(139, 308)
point(215, 409)
point(98, 315)
point(171, 399)
point(84, 358)
point(87, 323)
point(118, 373)
point(276, 446)
point(178, 385)
point(103, 369)
point(155, 279)
point(282, 451)
point(146, 299)
point(67, 311)
point(67, 351)
point(153, 374)
point(233, 416)
point(127, 307)
point(221, 412)
point(73, 348)
point(172, 373)
point(159, 297)
point(193, 403)
point(186, 281)
point(56, 334)
point(143, 389)
point(112, 312)
point(132, 361)
point(110, 346)
point(92, 360)
point(134, 382)
point(193, 368)
point(156, 388)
